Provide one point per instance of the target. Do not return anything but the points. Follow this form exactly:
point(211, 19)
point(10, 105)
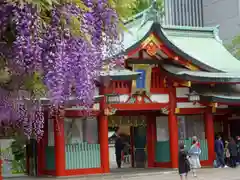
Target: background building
point(184, 12)
point(225, 13)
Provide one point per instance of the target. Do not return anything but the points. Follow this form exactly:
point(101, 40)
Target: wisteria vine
point(63, 58)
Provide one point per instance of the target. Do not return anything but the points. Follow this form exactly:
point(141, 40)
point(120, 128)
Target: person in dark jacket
point(232, 147)
point(238, 148)
point(183, 163)
point(219, 150)
point(118, 148)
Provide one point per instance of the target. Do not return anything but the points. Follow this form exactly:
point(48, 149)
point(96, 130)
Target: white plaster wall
point(123, 98)
point(96, 91)
point(182, 92)
point(159, 98)
point(195, 126)
point(83, 130)
point(162, 128)
point(96, 106)
point(189, 105)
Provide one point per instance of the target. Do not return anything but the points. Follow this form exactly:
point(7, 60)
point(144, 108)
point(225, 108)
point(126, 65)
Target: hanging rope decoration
point(165, 110)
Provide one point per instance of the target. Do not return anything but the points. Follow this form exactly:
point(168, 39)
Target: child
point(183, 163)
point(227, 154)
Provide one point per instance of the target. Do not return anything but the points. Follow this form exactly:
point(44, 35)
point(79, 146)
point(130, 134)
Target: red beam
point(74, 172)
point(139, 107)
point(80, 113)
point(186, 111)
point(163, 164)
point(182, 99)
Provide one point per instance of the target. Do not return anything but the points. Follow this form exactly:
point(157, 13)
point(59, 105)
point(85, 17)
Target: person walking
point(194, 153)
point(232, 147)
point(227, 154)
point(238, 148)
point(219, 150)
point(118, 147)
point(183, 163)
point(194, 138)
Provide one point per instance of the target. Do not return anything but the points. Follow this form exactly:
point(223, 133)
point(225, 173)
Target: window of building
point(81, 130)
point(140, 83)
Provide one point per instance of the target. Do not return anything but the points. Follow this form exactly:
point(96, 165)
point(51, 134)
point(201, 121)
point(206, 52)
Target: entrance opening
point(134, 153)
point(234, 128)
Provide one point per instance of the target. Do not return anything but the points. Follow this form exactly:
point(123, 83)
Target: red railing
point(120, 87)
point(157, 81)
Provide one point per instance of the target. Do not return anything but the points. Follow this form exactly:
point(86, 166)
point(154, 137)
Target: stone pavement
point(203, 174)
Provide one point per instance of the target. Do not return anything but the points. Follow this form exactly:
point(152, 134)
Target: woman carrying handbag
point(194, 153)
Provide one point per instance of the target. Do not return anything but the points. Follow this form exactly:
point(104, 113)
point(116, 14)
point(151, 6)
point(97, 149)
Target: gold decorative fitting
point(109, 111)
point(214, 104)
point(150, 38)
point(151, 49)
point(186, 83)
point(177, 110)
point(139, 98)
point(192, 67)
point(214, 109)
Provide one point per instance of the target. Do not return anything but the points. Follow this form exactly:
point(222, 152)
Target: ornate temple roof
point(201, 76)
point(119, 74)
point(221, 93)
point(200, 47)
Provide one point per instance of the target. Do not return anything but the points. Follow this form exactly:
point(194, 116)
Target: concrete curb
point(121, 175)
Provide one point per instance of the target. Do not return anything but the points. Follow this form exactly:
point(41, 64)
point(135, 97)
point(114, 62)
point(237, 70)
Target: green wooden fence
point(162, 153)
point(204, 148)
point(50, 158)
point(82, 155)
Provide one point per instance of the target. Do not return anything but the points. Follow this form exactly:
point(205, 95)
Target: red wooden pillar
point(40, 157)
point(151, 140)
point(59, 143)
point(173, 128)
point(103, 138)
point(209, 132)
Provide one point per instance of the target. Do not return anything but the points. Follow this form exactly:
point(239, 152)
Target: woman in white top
point(194, 153)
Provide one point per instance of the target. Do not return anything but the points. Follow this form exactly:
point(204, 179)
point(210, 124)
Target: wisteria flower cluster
point(65, 51)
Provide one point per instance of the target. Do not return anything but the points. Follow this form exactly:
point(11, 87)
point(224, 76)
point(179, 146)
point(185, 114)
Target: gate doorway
point(133, 133)
point(234, 128)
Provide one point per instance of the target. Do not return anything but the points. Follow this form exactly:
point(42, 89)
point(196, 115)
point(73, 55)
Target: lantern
point(193, 97)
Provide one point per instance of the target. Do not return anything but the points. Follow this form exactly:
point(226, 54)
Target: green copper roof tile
point(202, 74)
point(199, 45)
point(123, 74)
point(204, 47)
point(135, 32)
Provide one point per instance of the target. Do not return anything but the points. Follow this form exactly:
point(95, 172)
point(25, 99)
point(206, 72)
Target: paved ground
point(203, 174)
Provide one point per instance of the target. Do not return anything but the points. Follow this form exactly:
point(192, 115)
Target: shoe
point(225, 166)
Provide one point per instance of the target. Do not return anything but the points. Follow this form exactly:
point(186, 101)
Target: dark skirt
point(183, 164)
